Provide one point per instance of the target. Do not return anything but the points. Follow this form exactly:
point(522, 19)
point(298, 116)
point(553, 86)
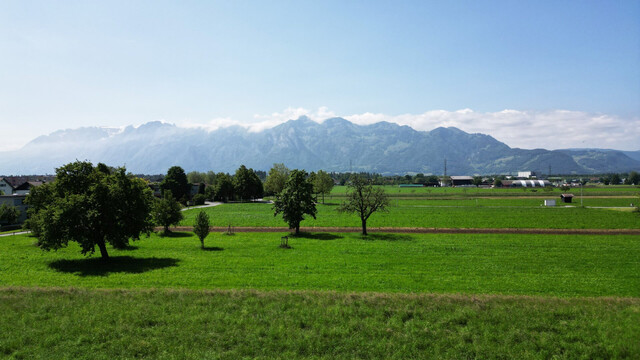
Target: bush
point(198, 199)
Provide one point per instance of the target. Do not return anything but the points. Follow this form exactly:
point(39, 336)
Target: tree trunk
point(322, 198)
point(297, 229)
point(202, 243)
point(364, 227)
point(103, 250)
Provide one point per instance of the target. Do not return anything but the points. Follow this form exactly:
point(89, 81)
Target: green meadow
point(237, 324)
point(406, 213)
point(330, 295)
point(601, 190)
point(541, 265)
point(341, 295)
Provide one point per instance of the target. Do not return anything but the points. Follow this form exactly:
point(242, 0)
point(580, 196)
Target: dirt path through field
point(426, 230)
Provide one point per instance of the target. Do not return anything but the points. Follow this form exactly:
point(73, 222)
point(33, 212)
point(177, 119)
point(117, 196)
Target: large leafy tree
point(224, 188)
point(166, 211)
point(295, 200)
point(247, 184)
point(176, 182)
point(93, 206)
point(322, 184)
point(633, 178)
point(276, 179)
point(364, 199)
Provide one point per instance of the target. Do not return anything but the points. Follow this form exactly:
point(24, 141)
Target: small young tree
point(364, 199)
point(295, 200)
point(322, 184)
point(166, 211)
point(201, 227)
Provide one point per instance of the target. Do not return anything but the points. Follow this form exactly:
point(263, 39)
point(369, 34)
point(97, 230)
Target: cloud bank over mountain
point(334, 144)
point(555, 129)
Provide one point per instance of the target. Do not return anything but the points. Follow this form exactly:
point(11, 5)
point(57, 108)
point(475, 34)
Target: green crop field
point(405, 213)
point(567, 265)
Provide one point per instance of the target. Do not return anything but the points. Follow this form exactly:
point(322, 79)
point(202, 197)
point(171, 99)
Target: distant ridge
point(332, 145)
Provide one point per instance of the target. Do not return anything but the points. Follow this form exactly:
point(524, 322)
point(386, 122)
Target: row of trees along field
point(96, 206)
point(245, 184)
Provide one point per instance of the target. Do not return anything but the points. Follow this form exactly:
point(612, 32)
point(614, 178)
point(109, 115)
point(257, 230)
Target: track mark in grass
point(117, 264)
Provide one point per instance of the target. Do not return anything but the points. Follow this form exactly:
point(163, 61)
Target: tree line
point(99, 205)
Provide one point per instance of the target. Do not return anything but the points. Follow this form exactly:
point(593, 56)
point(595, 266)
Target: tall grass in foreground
point(168, 324)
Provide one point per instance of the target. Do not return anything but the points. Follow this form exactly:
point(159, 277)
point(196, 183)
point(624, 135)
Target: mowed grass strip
point(162, 324)
point(408, 214)
point(556, 265)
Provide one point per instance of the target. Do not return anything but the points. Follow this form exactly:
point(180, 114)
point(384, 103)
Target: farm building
point(525, 183)
point(526, 174)
point(461, 180)
point(566, 198)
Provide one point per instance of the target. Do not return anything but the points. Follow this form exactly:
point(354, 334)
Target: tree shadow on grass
point(211, 248)
point(317, 236)
point(387, 237)
point(116, 264)
point(176, 234)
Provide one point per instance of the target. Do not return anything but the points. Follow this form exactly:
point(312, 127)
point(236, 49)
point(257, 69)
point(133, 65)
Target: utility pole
point(444, 178)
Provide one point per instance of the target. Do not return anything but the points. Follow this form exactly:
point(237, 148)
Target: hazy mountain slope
point(334, 145)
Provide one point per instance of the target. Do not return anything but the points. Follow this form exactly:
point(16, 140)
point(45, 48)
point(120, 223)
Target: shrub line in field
point(407, 230)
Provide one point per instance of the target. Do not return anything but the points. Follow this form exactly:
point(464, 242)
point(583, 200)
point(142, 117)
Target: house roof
point(461, 177)
point(28, 185)
point(566, 195)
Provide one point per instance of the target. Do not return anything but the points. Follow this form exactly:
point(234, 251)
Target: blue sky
point(520, 71)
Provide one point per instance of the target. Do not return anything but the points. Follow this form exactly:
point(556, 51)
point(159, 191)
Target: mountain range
point(333, 145)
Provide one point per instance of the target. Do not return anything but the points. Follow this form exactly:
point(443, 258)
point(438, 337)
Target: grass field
point(179, 324)
point(393, 191)
point(405, 213)
point(339, 295)
point(550, 265)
